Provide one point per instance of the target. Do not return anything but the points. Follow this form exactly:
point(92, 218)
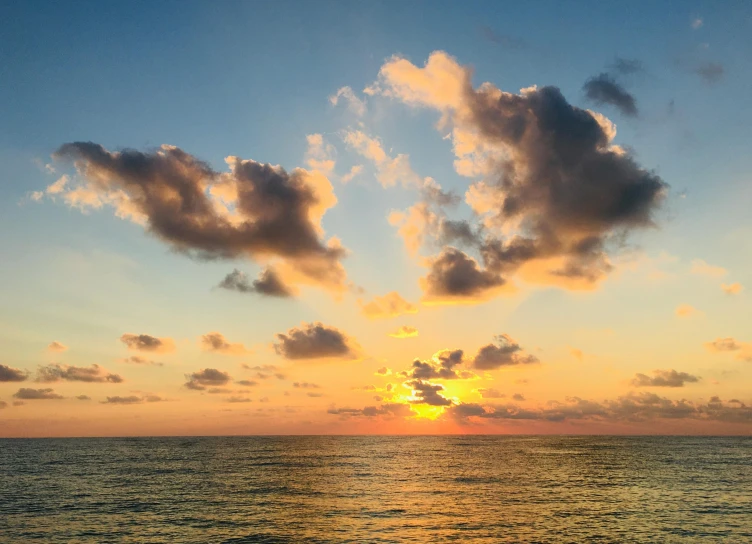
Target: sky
point(375, 217)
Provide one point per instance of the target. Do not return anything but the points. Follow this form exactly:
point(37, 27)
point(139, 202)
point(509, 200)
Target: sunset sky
point(414, 217)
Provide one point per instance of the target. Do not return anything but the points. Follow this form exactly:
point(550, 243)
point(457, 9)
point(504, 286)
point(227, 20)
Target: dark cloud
point(138, 360)
point(238, 399)
point(306, 385)
point(83, 397)
point(246, 383)
point(132, 399)
point(26, 393)
point(255, 210)
point(216, 342)
point(268, 283)
point(454, 274)
point(664, 378)
point(518, 397)
point(633, 408)
point(92, 374)
point(205, 378)
point(440, 367)
point(9, 374)
point(145, 342)
point(710, 72)
point(428, 393)
point(505, 352)
point(627, 66)
point(604, 89)
point(387, 410)
point(458, 231)
point(313, 341)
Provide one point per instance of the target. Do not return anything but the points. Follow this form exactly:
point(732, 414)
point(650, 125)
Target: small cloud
point(404, 332)
point(388, 306)
point(355, 104)
point(732, 288)
point(315, 341)
point(627, 66)
point(306, 385)
point(238, 399)
point(268, 283)
point(146, 342)
point(246, 383)
point(730, 344)
point(354, 171)
point(505, 352)
point(57, 347)
point(133, 399)
point(205, 378)
point(604, 89)
point(518, 396)
point(91, 374)
point(383, 371)
point(697, 23)
point(83, 397)
point(26, 393)
point(314, 395)
point(710, 72)
point(216, 342)
point(490, 393)
point(138, 360)
point(10, 374)
point(685, 310)
point(664, 378)
point(577, 353)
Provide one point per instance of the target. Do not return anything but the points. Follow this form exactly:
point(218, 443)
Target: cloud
point(255, 210)
point(441, 366)
point(702, 268)
point(389, 306)
point(504, 40)
point(54, 189)
point(555, 186)
point(428, 393)
point(732, 288)
point(404, 331)
point(315, 341)
point(685, 310)
point(455, 276)
point(505, 352)
point(138, 360)
point(206, 378)
point(145, 342)
point(83, 397)
point(314, 395)
point(664, 378)
point(577, 353)
point(26, 393)
point(91, 374)
point(306, 385)
point(320, 155)
point(354, 172)
point(729, 344)
point(710, 72)
point(3, 404)
point(633, 408)
point(627, 66)
point(603, 89)
point(354, 104)
point(268, 283)
point(392, 410)
point(57, 347)
point(390, 171)
point(383, 371)
point(10, 374)
point(132, 399)
point(246, 383)
point(518, 396)
point(697, 23)
point(236, 399)
point(490, 393)
point(216, 343)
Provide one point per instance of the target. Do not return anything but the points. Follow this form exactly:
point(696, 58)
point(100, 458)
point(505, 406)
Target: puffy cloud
point(441, 366)
point(216, 342)
point(603, 89)
point(388, 306)
point(10, 374)
point(732, 288)
point(554, 183)
point(428, 393)
point(306, 385)
point(700, 267)
point(83, 397)
point(731, 345)
point(685, 310)
point(505, 352)
point(268, 283)
point(352, 173)
point(633, 408)
point(389, 170)
point(132, 399)
point(26, 393)
point(391, 410)
point(138, 360)
point(91, 374)
point(383, 371)
point(354, 104)
point(404, 331)
point(320, 155)
point(57, 347)
point(315, 341)
point(664, 378)
point(455, 276)
point(255, 210)
point(145, 342)
point(207, 378)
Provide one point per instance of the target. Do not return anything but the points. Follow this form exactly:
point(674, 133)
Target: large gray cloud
point(604, 89)
point(94, 373)
point(441, 366)
point(505, 352)
point(26, 393)
point(454, 274)
point(256, 210)
point(314, 341)
point(10, 374)
point(268, 283)
point(664, 378)
point(207, 378)
point(428, 393)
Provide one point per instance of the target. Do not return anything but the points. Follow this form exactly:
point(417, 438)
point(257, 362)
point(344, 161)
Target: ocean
point(336, 489)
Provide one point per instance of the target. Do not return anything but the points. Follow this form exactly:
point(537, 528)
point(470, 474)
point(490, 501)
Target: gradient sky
point(459, 218)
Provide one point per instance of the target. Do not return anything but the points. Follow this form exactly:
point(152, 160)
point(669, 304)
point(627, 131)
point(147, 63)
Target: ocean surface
point(376, 489)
